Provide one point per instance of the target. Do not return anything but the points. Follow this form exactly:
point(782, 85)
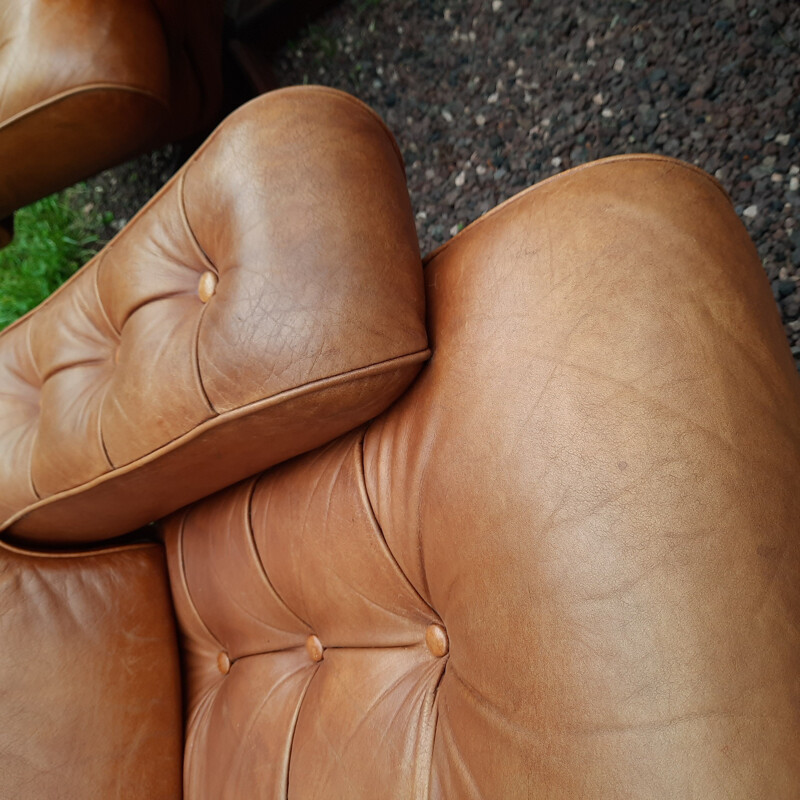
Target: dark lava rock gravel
point(487, 97)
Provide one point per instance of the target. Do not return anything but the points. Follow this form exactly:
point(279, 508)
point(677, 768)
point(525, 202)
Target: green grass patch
point(52, 239)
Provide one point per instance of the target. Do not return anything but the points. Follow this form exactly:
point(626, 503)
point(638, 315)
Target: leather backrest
point(275, 282)
point(562, 565)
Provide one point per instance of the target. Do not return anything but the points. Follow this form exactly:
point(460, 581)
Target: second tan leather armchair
point(85, 84)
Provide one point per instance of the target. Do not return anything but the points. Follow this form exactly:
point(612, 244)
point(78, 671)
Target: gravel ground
point(487, 97)
point(111, 198)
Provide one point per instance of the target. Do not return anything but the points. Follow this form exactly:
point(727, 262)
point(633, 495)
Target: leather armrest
point(267, 300)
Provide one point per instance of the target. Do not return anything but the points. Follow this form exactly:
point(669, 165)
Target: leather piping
point(36, 431)
point(602, 162)
point(293, 731)
point(74, 92)
point(370, 509)
point(262, 567)
point(185, 584)
point(290, 394)
point(122, 548)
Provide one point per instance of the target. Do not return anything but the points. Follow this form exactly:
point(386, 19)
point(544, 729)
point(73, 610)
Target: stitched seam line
point(103, 551)
point(185, 583)
point(260, 561)
point(201, 253)
point(429, 714)
point(32, 450)
point(185, 217)
point(76, 92)
point(192, 728)
point(370, 508)
point(323, 383)
point(290, 747)
point(603, 162)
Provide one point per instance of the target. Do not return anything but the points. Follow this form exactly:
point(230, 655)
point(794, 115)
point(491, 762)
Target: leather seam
point(185, 218)
point(412, 645)
point(185, 583)
point(603, 162)
point(424, 749)
point(146, 302)
point(208, 263)
point(77, 91)
point(100, 426)
point(294, 729)
point(103, 551)
point(196, 363)
point(191, 728)
point(370, 508)
point(279, 398)
point(101, 257)
point(32, 483)
point(111, 327)
point(261, 565)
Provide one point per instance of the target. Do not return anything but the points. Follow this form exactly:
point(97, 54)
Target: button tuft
point(223, 663)
point(314, 648)
point(436, 639)
point(207, 286)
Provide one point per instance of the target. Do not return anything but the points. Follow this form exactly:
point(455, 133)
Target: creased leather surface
point(90, 703)
point(254, 572)
point(596, 478)
point(125, 396)
point(84, 85)
point(592, 486)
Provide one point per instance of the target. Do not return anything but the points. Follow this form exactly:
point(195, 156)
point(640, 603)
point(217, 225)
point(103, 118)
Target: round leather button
point(436, 639)
point(314, 648)
point(207, 286)
point(223, 663)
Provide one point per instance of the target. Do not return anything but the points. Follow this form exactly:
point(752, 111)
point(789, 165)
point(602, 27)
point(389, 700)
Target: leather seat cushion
point(90, 695)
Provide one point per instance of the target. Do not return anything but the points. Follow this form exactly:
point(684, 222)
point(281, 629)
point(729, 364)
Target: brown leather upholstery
point(563, 564)
point(85, 84)
point(562, 492)
point(125, 383)
point(90, 697)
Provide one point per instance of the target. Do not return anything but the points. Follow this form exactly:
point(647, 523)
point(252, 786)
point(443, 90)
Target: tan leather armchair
point(518, 523)
point(86, 84)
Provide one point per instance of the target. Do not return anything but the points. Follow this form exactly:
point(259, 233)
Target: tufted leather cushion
point(564, 564)
point(90, 696)
point(275, 282)
point(85, 84)
point(288, 580)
